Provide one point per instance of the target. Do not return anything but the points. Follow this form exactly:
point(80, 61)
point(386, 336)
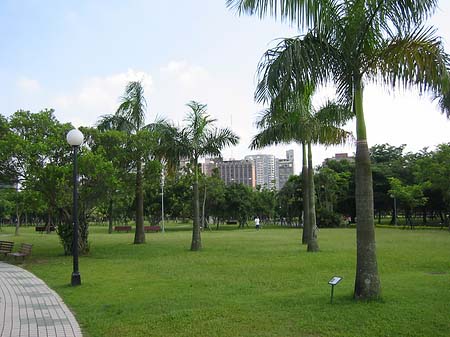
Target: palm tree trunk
point(305, 195)
point(367, 282)
point(139, 235)
point(313, 246)
point(196, 239)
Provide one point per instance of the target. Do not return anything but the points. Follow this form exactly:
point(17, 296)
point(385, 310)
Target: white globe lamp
point(75, 137)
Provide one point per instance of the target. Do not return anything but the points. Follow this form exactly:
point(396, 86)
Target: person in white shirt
point(257, 222)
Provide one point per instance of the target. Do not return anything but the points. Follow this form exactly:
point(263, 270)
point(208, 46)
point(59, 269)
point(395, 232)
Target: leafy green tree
point(387, 162)
point(144, 141)
point(200, 139)
point(239, 203)
point(289, 199)
point(433, 169)
point(112, 146)
point(410, 196)
point(178, 195)
point(345, 203)
point(6, 204)
point(265, 203)
point(31, 144)
point(214, 198)
point(348, 44)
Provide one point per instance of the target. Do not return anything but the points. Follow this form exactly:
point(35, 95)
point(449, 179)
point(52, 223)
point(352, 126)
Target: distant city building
point(341, 156)
point(290, 155)
point(261, 170)
point(238, 171)
point(266, 170)
point(285, 168)
point(209, 165)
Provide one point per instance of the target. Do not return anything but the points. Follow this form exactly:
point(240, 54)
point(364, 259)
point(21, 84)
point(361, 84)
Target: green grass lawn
point(248, 283)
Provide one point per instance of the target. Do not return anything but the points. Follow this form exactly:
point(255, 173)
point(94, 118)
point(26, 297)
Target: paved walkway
point(31, 309)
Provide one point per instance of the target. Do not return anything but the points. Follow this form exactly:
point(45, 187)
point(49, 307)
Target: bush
point(65, 232)
point(328, 219)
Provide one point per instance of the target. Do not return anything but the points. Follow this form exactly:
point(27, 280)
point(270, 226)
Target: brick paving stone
point(29, 308)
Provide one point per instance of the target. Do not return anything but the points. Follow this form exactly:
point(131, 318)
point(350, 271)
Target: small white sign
point(335, 280)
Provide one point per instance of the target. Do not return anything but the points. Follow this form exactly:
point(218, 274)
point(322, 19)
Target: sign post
point(335, 280)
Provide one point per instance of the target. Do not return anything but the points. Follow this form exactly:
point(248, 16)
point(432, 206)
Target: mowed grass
point(248, 283)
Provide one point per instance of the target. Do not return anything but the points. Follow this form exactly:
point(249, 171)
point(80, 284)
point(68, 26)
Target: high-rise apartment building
point(285, 168)
point(266, 170)
point(238, 171)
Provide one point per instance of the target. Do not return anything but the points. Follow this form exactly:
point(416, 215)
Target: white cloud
point(28, 84)
point(186, 75)
point(97, 96)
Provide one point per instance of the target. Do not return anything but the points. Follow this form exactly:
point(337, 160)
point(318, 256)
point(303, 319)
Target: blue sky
point(77, 56)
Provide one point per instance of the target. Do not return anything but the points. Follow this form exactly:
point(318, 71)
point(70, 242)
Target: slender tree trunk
point(305, 194)
point(196, 239)
point(393, 217)
point(367, 281)
point(204, 223)
point(17, 221)
point(139, 235)
point(313, 245)
point(110, 216)
point(424, 216)
point(49, 224)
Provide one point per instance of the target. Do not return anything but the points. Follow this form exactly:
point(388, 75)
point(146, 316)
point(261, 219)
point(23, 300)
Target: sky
point(76, 56)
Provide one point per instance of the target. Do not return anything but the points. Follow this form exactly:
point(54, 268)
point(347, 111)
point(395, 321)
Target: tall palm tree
point(350, 43)
point(199, 139)
point(291, 117)
point(146, 141)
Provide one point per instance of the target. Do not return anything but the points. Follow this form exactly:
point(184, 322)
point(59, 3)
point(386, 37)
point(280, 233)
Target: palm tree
point(291, 117)
point(199, 139)
point(350, 43)
point(145, 141)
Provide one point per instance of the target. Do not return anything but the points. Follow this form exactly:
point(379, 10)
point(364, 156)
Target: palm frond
point(334, 114)
point(217, 139)
point(403, 15)
point(303, 13)
point(295, 62)
point(133, 105)
point(416, 59)
point(114, 122)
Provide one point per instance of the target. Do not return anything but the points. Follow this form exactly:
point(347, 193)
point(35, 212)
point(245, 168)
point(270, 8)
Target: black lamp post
point(162, 197)
point(75, 138)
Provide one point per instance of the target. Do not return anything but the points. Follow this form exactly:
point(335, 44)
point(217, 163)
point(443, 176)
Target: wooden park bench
point(44, 228)
point(24, 251)
point(152, 228)
point(6, 247)
point(122, 228)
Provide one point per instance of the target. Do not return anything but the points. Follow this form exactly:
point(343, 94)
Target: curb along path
point(29, 308)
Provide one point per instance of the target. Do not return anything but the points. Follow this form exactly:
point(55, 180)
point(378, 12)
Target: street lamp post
point(75, 138)
point(162, 198)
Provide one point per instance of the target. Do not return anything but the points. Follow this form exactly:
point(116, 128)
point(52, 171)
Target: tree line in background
point(35, 155)
point(118, 163)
